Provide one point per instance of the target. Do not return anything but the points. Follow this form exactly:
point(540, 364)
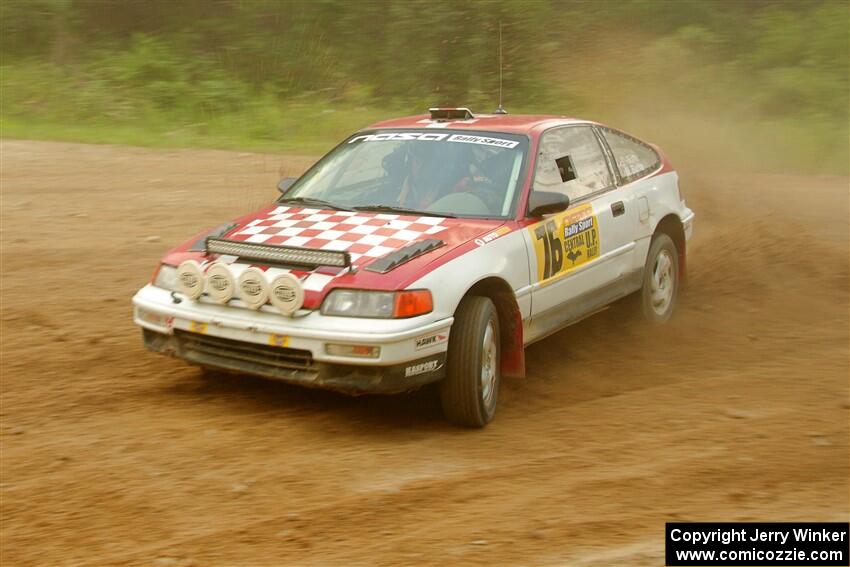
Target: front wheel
point(470, 390)
point(657, 297)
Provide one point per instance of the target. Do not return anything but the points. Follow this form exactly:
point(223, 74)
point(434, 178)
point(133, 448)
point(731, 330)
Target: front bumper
point(294, 365)
point(266, 343)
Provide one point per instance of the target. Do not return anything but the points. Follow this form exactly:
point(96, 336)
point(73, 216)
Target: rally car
point(424, 249)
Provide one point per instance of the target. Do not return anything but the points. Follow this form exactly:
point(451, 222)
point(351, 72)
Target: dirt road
point(737, 410)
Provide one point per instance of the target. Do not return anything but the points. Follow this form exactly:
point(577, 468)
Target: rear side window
point(634, 158)
point(571, 162)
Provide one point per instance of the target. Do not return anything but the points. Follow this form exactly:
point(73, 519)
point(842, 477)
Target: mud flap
point(513, 349)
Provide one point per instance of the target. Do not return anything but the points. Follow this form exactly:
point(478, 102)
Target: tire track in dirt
point(736, 410)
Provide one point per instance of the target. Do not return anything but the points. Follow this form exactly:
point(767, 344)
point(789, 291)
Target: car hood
point(366, 236)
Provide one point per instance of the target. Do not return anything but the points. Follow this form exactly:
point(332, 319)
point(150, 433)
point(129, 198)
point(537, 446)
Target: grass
point(313, 127)
point(296, 128)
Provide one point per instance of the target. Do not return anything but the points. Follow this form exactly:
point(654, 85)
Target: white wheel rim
point(489, 352)
point(663, 282)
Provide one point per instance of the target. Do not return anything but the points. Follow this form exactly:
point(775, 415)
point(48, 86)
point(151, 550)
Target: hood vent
point(403, 255)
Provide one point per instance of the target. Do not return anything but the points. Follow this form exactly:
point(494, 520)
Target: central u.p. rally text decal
point(565, 242)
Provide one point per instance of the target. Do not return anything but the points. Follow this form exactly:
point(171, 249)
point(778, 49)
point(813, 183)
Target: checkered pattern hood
point(365, 236)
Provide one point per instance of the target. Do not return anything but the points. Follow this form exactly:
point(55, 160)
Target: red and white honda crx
point(424, 249)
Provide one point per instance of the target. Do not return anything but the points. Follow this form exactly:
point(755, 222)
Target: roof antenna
point(501, 109)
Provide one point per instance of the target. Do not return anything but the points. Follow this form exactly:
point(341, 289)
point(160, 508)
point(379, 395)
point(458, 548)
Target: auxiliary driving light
point(220, 282)
point(253, 288)
point(359, 351)
point(190, 279)
point(286, 294)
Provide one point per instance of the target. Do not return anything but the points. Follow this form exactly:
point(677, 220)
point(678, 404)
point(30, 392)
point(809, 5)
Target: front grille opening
point(242, 355)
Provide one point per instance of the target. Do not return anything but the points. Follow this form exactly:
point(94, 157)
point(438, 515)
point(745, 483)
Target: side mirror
point(285, 183)
point(546, 202)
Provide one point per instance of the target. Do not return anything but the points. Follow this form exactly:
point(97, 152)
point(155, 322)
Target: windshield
point(444, 173)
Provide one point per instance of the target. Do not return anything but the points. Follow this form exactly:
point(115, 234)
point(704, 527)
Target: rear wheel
point(657, 297)
point(470, 390)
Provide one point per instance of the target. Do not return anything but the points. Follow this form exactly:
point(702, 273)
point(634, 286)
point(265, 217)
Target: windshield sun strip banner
point(436, 137)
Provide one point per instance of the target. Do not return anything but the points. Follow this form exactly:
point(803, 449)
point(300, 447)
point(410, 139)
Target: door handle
point(618, 208)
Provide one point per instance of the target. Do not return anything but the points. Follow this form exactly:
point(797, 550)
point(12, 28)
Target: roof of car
point(512, 123)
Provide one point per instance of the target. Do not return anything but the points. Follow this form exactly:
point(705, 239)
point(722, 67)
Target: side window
point(634, 158)
point(571, 162)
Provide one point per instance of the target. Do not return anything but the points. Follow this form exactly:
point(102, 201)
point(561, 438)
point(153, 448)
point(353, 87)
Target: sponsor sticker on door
point(565, 242)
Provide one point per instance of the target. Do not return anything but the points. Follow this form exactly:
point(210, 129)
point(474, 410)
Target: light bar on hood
point(285, 255)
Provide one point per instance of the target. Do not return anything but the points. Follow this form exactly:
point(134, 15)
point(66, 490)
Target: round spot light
point(190, 279)
point(286, 294)
point(253, 288)
point(220, 282)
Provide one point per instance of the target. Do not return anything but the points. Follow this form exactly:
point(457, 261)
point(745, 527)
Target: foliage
point(260, 72)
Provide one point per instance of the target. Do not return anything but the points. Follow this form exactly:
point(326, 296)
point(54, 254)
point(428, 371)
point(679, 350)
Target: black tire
point(661, 249)
point(466, 400)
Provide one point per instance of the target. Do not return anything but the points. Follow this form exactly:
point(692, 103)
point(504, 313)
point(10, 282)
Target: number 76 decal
point(564, 243)
point(553, 251)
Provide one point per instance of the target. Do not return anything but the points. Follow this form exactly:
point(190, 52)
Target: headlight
point(377, 304)
point(166, 277)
